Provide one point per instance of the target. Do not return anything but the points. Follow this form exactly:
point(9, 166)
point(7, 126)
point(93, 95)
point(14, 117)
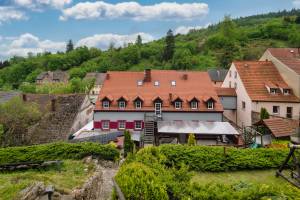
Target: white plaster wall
point(288, 75)
point(256, 106)
point(243, 115)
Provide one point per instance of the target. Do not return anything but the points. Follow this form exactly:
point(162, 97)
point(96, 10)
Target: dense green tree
point(70, 46)
point(297, 20)
point(139, 41)
point(264, 114)
point(228, 27)
point(169, 46)
point(182, 59)
point(128, 143)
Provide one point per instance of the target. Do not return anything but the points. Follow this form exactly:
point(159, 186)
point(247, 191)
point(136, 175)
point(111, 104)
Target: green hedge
point(215, 159)
point(56, 151)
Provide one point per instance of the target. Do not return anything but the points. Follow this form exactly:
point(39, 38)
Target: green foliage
point(70, 46)
point(191, 140)
point(182, 60)
point(139, 41)
point(56, 151)
point(16, 116)
point(264, 114)
point(128, 143)
point(169, 46)
point(139, 181)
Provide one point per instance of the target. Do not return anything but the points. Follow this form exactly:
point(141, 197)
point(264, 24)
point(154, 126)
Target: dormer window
point(178, 104)
point(105, 104)
point(194, 105)
point(156, 83)
point(138, 104)
point(122, 104)
point(210, 105)
point(273, 90)
point(286, 91)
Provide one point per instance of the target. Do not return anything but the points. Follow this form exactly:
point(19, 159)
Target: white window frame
point(122, 104)
point(140, 83)
point(194, 105)
point(178, 105)
point(273, 90)
point(156, 83)
point(156, 110)
point(123, 123)
point(286, 92)
point(105, 104)
point(210, 105)
point(138, 104)
point(278, 110)
point(104, 125)
point(135, 125)
point(173, 83)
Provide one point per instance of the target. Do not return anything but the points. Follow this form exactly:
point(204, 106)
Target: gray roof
point(201, 127)
point(55, 75)
point(217, 74)
point(99, 77)
point(6, 96)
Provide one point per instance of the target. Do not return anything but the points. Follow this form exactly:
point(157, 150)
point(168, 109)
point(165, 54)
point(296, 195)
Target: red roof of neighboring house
point(189, 85)
point(226, 92)
point(255, 75)
point(288, 56)
point(279, 127)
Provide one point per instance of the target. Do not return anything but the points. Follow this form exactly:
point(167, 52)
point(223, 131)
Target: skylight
point(140, 83)
point(156, 83)
point(173, 83)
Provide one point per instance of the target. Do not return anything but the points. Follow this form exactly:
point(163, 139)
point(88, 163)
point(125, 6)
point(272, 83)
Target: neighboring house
point(258, 84)
point(142, 101)
point(287, 61)
point(217, 76)
point(228, 98)
point(99, 79)
point(57, 76)
point(6, 96)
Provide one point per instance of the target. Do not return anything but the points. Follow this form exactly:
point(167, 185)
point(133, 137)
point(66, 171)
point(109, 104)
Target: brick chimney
point(184, 76)
point(147, 75)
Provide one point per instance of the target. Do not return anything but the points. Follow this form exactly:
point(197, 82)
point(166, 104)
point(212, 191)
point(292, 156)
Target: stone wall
point(60, 112)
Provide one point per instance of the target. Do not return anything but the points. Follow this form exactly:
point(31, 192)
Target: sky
point(45, 25)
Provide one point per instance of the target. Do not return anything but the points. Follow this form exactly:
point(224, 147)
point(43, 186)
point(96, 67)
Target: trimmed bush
point(139, 181)
point(55, 151)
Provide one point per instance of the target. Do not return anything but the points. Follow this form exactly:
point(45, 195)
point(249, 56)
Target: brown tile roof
point(256, 74)
point(279, 127)
point(226, 92)
point(288, 56)
point(198, 85)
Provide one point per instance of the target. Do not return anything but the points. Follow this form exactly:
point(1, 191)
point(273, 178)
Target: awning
point(196, 127)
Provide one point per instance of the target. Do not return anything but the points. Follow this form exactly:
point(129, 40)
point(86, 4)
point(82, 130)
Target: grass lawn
point(263, 177)
point(72, 175)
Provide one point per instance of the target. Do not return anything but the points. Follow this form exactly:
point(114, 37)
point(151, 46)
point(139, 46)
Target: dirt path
point(107, 187)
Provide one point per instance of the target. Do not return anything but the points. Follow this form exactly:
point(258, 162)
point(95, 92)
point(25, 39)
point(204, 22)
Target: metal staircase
point(150, 121)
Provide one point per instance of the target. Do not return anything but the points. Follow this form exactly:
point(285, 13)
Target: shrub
point(128, 143)
point(264, 114)
point(55, 151)
point(138, 181)
point(191, 140)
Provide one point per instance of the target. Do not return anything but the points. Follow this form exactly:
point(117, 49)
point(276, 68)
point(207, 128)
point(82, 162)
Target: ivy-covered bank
point(165, 172)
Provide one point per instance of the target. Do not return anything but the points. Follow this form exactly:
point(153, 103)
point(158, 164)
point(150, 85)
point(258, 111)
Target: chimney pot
point(147, 75)
point(185, 77)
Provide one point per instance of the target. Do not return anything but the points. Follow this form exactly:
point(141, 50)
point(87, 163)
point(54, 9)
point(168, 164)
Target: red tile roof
point(197, 85)
point(226, 92)
point(288, 56)
point(256, 74)
point(279, 127)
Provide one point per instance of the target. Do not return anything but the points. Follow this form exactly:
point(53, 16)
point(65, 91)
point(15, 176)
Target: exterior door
point(157, 109)
point(289, 112)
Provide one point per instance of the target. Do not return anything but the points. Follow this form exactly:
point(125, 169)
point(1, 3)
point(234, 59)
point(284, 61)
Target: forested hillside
point(215, 46)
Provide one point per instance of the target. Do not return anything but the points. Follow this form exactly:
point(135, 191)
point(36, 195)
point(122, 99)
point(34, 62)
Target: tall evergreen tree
point(170, 46)
point(139, 41)
point(70, 46)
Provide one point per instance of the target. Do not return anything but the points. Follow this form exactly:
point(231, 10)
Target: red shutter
point(113, 125)
point(129, 125)
point(97, 125)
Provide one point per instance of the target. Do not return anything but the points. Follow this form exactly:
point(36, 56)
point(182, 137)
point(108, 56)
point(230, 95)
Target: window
point(235, 85)
point(157, 108)
point(273, 90)
point(122, 104)
point(138, 125)
point(289, 112)
point(210, 105)
point(105, 104)
point(156, 83)
point(121, 125)
point(229, 73)
point(235, 74)
point(140, 83)
point(243, 105)
point(178, 104)
point(173, 83)
point(229, 84)
point(105, 125)
point(275, 109)
point(286, 91)
point(138, 104)
point(194, 104)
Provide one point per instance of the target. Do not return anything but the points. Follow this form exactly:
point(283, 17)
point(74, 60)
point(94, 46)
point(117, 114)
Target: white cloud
point(26, 43)
point(186, 29)
point(36, 4)
point(103, 41)
point(135, 11)
point(296, 3)
point(9, 14)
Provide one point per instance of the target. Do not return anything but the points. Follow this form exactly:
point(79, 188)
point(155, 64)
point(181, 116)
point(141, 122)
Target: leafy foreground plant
point(165, 173)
